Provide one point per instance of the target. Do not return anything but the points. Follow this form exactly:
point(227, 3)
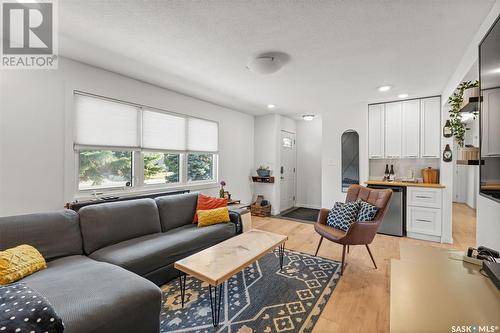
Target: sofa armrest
point(235, 218)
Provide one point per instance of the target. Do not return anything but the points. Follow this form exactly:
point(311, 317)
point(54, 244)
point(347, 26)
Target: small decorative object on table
point(227, 195)
point(263, 171)
point(221, 191)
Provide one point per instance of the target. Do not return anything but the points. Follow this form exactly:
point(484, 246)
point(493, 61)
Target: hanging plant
point(455, 102)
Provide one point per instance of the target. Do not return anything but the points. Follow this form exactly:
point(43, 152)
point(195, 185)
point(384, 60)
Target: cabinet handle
point(421, 220)
point(423, 197)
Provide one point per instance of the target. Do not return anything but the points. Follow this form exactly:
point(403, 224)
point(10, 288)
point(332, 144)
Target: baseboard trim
point(307, 206)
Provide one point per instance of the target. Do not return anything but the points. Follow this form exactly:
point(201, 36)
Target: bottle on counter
point(392, 175)
point(386, 173)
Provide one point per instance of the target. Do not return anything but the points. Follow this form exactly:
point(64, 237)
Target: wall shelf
point(267, 180)
point(471, 106)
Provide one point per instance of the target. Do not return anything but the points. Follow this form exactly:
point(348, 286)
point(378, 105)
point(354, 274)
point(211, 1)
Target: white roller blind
point(163, 131)
point(101, 122)
point(203, 135)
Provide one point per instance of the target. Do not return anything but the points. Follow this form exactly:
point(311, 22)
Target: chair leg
point(371, 256)
point(343, 260)
point(320, 241)
point(347, 248)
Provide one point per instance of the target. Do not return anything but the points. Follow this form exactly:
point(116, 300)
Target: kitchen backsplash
point(402, 166)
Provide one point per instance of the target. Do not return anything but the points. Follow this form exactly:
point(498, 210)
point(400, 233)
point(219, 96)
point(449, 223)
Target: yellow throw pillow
point(18, 262)
point(213, 216)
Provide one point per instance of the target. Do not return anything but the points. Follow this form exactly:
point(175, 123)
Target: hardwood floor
point(360, 302)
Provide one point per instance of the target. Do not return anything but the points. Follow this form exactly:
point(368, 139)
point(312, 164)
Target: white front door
point(287, 171)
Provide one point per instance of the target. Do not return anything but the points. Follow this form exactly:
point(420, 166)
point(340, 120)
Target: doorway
point(287, 171)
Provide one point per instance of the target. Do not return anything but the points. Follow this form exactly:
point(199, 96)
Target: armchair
point(360, 232)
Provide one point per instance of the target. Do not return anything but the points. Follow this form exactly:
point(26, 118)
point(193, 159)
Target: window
point(125, 145)
point(200, 167)
point(104, 169)
point(161, 168)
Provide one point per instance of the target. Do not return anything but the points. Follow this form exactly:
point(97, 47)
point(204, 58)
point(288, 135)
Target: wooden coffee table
point(220, 262)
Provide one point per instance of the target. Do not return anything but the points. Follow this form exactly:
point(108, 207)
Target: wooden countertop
point(431, 291)
point(381, 182)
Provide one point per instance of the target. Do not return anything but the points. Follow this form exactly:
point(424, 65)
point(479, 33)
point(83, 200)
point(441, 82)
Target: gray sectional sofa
point(106, 261)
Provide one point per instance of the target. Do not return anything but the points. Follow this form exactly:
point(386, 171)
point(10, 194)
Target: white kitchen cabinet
point(424, 213)
point(423, 223)
point(393, 133)
point(430, 127)
point(376, 131)
point(490, 115)
point(410, 128)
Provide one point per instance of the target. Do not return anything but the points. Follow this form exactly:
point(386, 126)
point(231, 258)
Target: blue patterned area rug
point(261, 298)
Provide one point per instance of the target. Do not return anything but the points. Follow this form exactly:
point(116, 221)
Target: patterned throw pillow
point(342, 215)
point(206, 202)
point(18, 262)
point(367, 211)
point(213, 216)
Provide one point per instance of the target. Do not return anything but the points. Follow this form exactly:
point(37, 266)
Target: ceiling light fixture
point(403, 95)
point(271, 106)
point(264, 64)
point(308, 117)
point(384, 88)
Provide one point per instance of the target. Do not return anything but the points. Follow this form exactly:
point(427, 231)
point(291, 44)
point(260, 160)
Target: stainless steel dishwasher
point(395, 218)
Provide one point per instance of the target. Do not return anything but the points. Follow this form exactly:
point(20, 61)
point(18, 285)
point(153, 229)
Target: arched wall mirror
point(350, 159)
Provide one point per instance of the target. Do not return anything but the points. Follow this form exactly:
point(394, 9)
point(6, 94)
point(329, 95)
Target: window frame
point(138, 184)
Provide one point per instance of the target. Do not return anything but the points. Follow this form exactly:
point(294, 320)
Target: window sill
point(123, 193)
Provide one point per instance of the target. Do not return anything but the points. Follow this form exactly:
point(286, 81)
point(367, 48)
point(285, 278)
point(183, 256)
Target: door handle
point(282, 170)
point(423, 197)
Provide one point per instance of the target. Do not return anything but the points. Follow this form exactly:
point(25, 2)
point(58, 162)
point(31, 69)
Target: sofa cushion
point(110, 223)
point(176, 210)
point(92, 296)
point(55, 234)
point(145, 254)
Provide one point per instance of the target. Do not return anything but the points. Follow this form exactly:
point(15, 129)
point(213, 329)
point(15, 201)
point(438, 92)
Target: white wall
point(488, 211)
point(266, 145)
point(309, 142)
point(355, 117)
point(36, 156)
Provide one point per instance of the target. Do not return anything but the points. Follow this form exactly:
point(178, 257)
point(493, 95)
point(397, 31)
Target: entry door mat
point(261, 298)
point(302, 214)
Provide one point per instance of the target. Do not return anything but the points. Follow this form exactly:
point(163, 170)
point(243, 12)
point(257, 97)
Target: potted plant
point(455, 101)
point(263, 171)
point(221, 191)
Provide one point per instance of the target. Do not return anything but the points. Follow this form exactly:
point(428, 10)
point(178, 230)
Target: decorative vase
point(221, 192)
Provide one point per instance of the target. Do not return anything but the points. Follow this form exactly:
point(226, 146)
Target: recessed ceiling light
point(308, 117)
point(271, 106)
point(384, 88)
point(403, 95)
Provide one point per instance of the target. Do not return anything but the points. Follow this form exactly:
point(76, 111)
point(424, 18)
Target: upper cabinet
point(490, 118)
point(410, 127)
point(393, 130)
point(406, 129)
point(430, 127)
point(376, 131)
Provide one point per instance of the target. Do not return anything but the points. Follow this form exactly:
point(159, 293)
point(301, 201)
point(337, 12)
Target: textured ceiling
point(340, 51)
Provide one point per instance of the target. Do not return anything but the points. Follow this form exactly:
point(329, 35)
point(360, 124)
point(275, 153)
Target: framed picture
point(227, 195)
